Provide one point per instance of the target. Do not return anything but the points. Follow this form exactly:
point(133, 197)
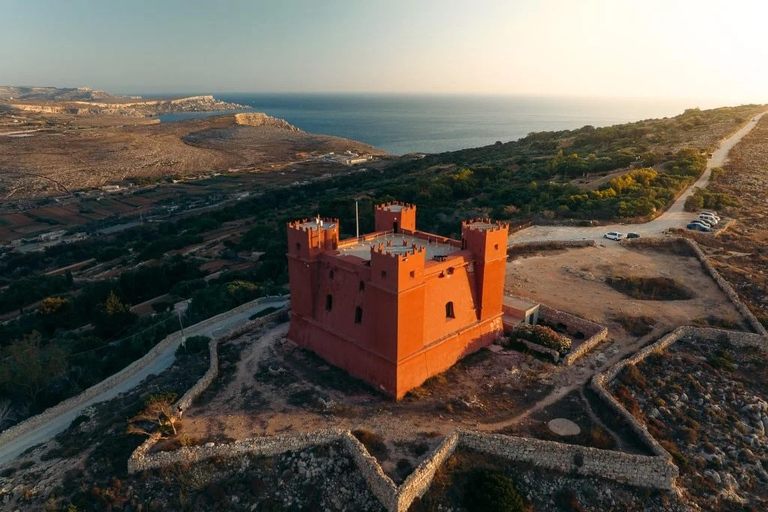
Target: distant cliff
point(49, 100)
point(261, 119)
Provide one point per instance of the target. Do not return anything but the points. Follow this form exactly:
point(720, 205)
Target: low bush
point(491, 491)
point(541, 335)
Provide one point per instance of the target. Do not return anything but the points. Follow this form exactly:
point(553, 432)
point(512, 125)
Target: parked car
point(706, 222)
point(633, 235)
point(709, 218)
point(613, 235)
point(697, 227)
point(709, 214)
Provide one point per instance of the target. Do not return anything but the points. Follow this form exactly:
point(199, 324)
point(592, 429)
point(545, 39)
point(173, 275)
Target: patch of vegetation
point(650, 288)
point(541, 335)
point(704, 198)
point(492, 491)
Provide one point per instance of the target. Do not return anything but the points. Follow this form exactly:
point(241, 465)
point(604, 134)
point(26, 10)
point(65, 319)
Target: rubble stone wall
point(640, 470)
point(127, 372)
point(419, 481)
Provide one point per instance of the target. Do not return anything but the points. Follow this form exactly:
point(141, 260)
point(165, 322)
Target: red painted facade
point(396, 306)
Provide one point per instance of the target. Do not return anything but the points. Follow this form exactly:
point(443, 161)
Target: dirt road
point(48, 430)
point(674, 217)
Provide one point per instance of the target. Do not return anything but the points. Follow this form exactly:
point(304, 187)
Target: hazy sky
point(657, 48)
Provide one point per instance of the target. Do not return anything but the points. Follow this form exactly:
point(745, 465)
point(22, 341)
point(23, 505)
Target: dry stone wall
point(419, 481)
point(141, 460)
point(721, 282)
point(127, 372)
point(640, 470)
point(378, 482)
point(593, 332)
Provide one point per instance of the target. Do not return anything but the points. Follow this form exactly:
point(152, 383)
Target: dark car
point(633, 235)
point(698, 227)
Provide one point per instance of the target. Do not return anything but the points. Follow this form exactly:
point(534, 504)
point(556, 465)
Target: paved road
point(674, 217)
point(15, 447)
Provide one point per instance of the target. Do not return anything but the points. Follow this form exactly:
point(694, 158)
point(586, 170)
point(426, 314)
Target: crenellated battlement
point(314, 224)
point(402, 206)
point(397, 251)
point(484, 225)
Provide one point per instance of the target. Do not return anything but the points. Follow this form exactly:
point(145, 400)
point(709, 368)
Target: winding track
point(674, 217)
point(13, 448)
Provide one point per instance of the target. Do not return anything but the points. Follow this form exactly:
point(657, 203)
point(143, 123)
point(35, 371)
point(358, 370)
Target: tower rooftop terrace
point(400, 244)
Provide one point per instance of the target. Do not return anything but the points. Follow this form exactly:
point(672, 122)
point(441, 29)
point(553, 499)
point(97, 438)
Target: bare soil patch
point(268, 386)
point(577, 281)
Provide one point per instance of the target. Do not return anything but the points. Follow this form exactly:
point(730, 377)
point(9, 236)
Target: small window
point(383, 274)
point(448, 310)
point(496, 246)
point(450, 271)
point(413, 274)
point(328, 302)
point(362, 285)
point(358, 315)
point(331, 274)
point(298, 246)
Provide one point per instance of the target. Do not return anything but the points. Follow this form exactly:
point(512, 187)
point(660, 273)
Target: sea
point(401, 124)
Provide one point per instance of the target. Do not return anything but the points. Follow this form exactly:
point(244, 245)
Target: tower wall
point(395, 217)
point(488, 242)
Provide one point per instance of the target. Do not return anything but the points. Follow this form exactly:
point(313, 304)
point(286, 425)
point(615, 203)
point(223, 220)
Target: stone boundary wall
point(721, 282)
point(639, 470)
point(549, 245)
point(419, 481)
point(599, 381)
point(541, 349)
point(378, 482)
point(127, 372)
point(727, 288)
point(141, 456)
point(213, 369)
point(593, 332)
point(267, 446)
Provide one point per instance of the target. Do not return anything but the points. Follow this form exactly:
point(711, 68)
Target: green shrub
point(542, 335)
point(491, 491)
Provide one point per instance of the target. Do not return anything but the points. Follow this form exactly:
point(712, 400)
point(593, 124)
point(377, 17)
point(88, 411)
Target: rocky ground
point(322, 479)
point(741, 253)
point(705, 402)
point(542, 491)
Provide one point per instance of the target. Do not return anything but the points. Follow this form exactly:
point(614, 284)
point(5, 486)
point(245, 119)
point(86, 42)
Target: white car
point(613, 235)
point(702, 223)
point(709, 219)
point(709, 214)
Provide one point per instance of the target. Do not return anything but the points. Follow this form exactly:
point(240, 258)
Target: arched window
point(328, 302)
point(449, 310)
point(358, 315)
point(362, 285)
point(331, 274)
point(298, 246)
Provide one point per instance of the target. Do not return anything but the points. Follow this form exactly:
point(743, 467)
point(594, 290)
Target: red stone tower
point(396, 306)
